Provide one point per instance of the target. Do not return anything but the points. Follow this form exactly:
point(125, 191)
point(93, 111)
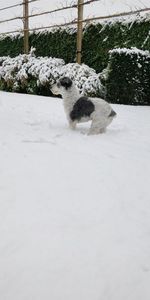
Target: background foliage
point(124, 81)
point(98, 39)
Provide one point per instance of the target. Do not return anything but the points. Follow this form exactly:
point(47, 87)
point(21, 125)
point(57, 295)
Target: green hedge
point(98, 39)
point(11, 46)
point(60, 43)
point(128, 77)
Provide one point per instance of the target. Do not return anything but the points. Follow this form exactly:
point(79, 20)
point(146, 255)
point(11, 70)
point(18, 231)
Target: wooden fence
point(79, 21)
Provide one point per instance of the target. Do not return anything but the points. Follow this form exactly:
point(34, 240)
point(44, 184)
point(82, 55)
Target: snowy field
point(74, 209)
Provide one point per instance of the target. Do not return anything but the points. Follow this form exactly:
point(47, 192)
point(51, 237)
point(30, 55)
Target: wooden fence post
point(79, 30)
point(26, 25)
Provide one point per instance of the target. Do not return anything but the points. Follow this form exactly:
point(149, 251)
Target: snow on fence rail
point(78, 5)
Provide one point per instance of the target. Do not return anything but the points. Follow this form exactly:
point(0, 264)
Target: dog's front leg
point(72, 124)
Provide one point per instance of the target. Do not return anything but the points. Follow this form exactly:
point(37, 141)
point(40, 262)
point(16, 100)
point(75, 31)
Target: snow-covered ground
point(74, 209)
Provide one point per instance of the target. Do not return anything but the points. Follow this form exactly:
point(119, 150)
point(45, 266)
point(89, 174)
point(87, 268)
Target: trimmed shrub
point(35, 75)
point(127, 77)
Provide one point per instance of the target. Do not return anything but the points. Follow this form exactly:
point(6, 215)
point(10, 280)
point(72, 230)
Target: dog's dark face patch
point(66, 82)
point(82, 108)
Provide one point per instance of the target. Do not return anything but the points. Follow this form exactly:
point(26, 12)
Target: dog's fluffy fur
point(81, 109)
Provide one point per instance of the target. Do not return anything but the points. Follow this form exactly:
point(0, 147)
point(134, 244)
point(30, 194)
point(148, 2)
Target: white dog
point(82, 109)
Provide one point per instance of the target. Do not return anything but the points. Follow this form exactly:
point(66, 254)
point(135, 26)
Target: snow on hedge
point(131, 51)
point(17, 73)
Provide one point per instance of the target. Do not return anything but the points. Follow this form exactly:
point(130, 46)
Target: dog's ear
point(66, 82)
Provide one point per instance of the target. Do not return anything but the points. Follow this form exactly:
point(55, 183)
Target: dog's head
point(63, 84)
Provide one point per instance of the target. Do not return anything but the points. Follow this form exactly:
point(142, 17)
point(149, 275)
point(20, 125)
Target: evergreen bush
point(31, 74)
point(127, 77)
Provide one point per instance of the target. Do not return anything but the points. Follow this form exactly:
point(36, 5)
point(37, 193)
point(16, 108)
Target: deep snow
point(74, 209)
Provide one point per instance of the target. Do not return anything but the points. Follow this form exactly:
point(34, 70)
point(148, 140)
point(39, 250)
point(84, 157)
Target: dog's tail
point(112, 114)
